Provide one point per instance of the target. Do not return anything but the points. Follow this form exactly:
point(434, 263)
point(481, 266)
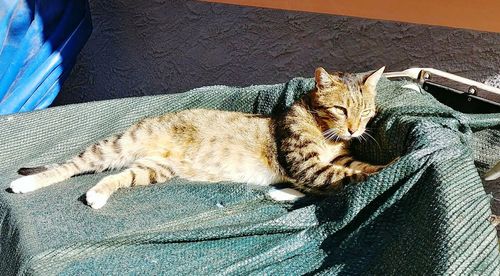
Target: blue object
point(39, 42)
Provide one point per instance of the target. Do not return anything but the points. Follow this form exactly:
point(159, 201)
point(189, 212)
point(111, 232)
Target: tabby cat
point(308, 145)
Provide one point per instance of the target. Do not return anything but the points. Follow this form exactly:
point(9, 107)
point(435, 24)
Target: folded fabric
point(424, 214)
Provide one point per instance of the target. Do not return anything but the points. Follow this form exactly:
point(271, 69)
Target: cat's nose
point(351, 131)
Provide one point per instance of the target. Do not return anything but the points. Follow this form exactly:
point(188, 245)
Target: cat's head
point(344, 103)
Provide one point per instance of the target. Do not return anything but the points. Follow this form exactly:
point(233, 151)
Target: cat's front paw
point(96, 199)
point(373, 169)
point(359, 177)
point(24, 184)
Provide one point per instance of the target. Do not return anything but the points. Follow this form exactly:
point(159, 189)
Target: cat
point(307, 145)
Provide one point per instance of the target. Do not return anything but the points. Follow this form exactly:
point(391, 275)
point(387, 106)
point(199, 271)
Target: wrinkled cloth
point(424, 214)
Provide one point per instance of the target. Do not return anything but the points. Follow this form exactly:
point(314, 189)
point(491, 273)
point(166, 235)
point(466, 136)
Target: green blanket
point(425, 214)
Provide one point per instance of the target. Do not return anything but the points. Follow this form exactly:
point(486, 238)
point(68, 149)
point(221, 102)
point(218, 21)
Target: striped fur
point(307, 145)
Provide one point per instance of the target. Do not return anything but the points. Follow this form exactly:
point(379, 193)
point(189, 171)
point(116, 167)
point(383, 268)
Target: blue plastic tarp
point(39, 42)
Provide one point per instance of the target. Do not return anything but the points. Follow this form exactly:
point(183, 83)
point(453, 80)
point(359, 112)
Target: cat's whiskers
point(371, 137)
point(328, 131)
point(330, 134)
point(334, 137)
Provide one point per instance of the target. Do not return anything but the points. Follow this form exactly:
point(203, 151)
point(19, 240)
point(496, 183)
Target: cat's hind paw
point(95, 199)
point(286, 194)
point(24, 184)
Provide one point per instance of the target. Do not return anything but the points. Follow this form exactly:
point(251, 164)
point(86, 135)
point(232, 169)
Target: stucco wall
point(154, 47)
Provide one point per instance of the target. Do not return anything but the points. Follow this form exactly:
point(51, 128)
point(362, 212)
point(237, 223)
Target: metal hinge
point(429, 77)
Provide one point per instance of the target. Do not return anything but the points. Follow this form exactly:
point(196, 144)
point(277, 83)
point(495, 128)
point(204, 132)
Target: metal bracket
point(430, 76)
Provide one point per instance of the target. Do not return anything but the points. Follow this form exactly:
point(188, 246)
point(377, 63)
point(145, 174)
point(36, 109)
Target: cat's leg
point(105, 154)
point(318, 177)
point(144, 171)
point(361, 169)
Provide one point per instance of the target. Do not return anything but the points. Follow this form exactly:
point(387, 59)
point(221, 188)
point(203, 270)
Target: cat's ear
point(370, 80)
point(323, 79)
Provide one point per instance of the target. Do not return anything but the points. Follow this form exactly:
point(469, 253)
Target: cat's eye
point(366, 113)
point(339, 110)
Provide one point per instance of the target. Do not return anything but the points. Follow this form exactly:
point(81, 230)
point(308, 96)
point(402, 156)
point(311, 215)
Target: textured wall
point(141, 47)
point(464, 14)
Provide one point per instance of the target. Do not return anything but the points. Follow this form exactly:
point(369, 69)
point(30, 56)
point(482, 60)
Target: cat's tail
point(32, 170)
point(105, 154)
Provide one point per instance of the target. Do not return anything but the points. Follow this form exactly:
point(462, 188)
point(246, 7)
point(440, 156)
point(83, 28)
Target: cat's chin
point(346, 138)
